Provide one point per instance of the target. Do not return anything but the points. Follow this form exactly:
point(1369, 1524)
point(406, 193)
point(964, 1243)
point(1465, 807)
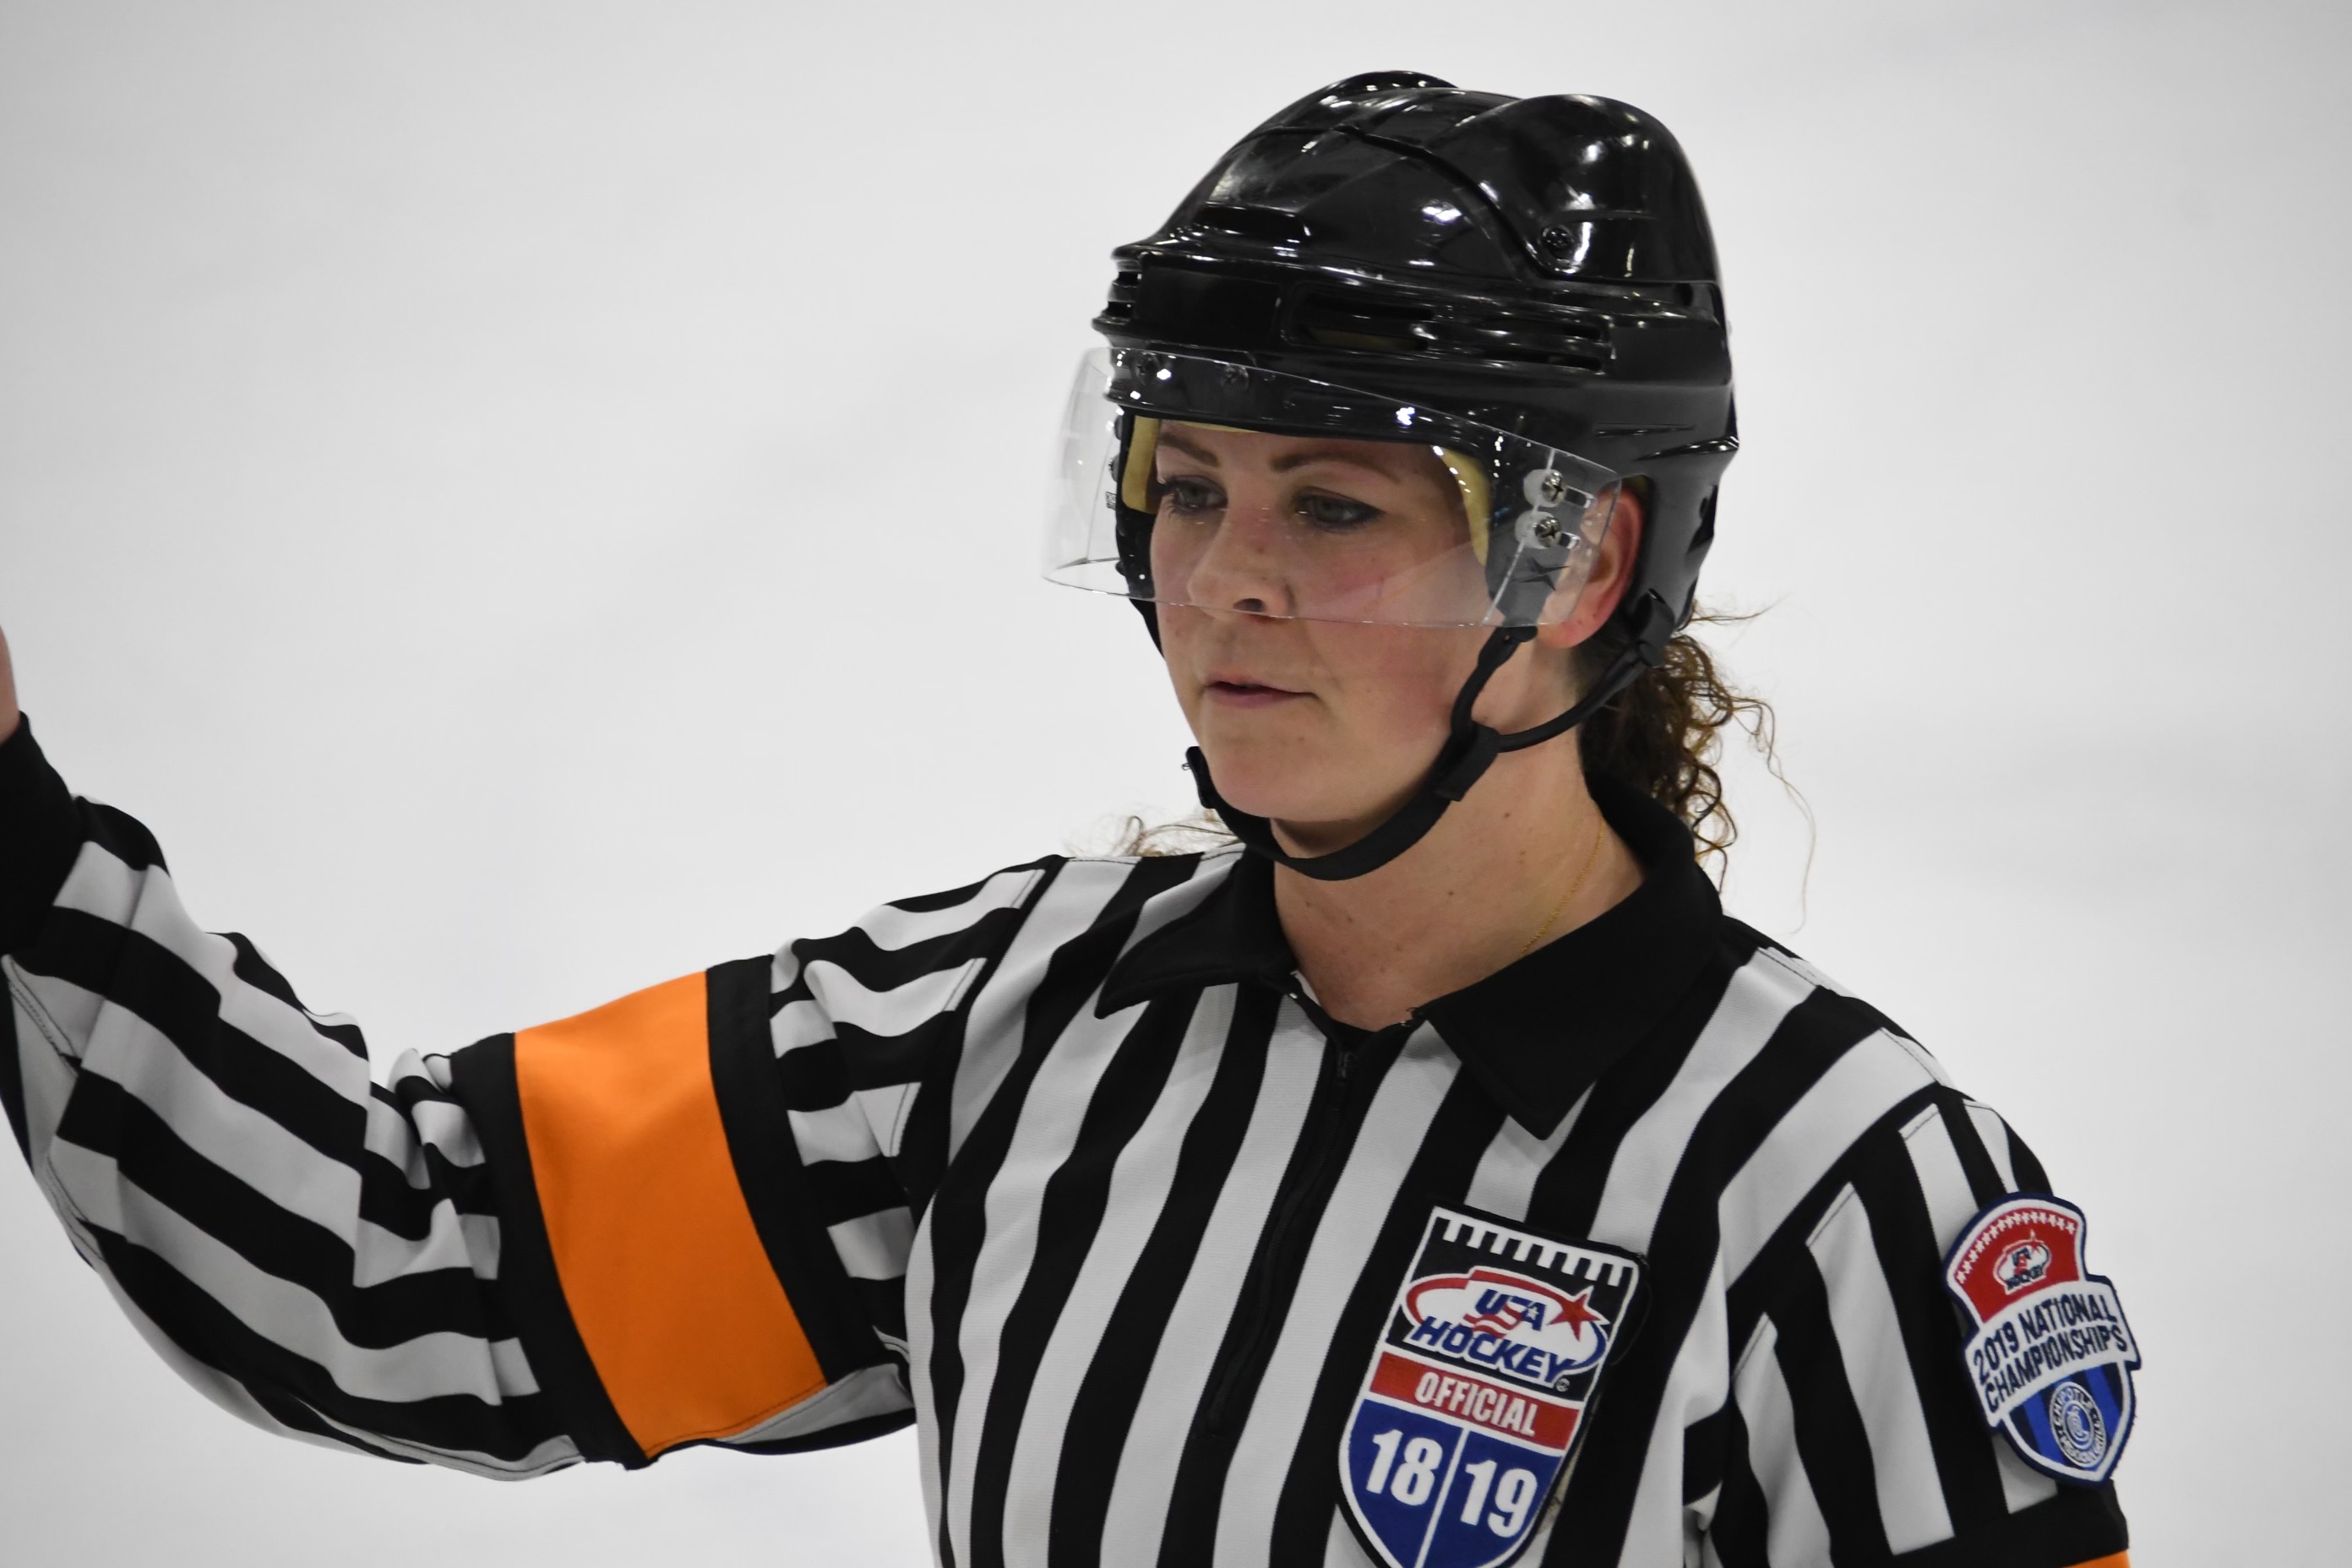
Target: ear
point(1613, 573)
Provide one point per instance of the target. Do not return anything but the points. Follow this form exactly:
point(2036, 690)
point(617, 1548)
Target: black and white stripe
point(312, 1246)
point(1126, 1215)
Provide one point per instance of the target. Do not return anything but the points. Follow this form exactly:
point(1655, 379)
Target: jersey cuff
point(2082, 1527)
point(40, 835)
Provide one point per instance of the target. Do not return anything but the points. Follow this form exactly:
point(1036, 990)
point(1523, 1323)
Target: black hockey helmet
point(1527, 285)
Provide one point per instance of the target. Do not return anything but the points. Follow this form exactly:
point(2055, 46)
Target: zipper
point(1289, 1237)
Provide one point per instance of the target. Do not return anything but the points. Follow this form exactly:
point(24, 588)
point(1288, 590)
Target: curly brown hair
point(1663, 734)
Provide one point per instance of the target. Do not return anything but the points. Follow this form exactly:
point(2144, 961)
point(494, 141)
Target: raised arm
point(601, 1238)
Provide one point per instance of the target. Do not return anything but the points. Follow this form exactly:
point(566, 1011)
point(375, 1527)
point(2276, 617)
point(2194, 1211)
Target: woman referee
point(1435, 1176)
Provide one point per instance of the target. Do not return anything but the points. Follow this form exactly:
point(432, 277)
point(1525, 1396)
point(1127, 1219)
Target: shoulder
point(1822, 1094)
point(1821, 1005)
point(1882, 1059)
point(1909, 1224)
point(1038, 904)
point(1845, 1148)
point(1814, 1063)
point(1836, 1106)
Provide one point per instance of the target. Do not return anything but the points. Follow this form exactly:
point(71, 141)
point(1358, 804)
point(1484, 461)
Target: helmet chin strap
point(1470, 750)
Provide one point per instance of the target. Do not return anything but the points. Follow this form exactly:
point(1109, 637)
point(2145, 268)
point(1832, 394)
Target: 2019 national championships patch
point(2048, 1351)
point(1478, 1391)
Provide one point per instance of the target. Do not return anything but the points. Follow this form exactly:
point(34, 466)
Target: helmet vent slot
point(1270, 225)
point(1120, 306)
point(1352, 320)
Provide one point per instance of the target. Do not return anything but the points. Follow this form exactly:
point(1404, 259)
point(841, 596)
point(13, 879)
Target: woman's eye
point(1190, 496)
point(1335, 511)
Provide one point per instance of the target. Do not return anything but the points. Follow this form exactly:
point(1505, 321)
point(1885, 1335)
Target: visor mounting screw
point(1555, 489)
point(1548, 534)
point(1559, 241)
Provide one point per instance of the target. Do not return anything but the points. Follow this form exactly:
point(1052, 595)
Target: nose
point(1237, 564)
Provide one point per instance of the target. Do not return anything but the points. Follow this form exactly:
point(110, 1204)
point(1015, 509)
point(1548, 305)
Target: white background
point(528, 499)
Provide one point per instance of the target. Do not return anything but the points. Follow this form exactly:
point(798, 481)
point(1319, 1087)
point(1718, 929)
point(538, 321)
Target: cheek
point(1398, 683)
point(1175, 547)
point(1179, 630)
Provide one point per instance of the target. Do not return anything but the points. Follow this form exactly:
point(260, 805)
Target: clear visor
point(1217, 486)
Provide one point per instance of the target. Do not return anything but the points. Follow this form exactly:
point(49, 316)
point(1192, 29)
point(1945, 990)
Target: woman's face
point(1329, 722)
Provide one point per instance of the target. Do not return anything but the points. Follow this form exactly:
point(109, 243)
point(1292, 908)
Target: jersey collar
point(1534, 1035)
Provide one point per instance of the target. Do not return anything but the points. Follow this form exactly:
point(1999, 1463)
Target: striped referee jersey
point(1068, 1169)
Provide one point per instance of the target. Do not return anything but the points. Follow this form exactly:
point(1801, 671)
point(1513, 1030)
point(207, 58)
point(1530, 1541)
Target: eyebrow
point(1171, 434)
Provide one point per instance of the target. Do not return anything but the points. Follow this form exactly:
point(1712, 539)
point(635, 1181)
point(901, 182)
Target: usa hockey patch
point(2048, 1348)
point(1478, 1391)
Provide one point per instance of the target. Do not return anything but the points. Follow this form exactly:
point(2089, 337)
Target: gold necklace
point(1589, 857)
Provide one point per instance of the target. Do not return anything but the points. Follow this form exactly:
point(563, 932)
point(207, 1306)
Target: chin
point(1278, 784)
point(1262, 780)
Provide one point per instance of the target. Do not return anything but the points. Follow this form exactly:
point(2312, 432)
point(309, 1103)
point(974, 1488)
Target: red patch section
point(1513, 1413)
point(1976, 1268)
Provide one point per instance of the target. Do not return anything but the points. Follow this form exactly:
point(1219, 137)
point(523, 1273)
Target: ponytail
point(1663, 736)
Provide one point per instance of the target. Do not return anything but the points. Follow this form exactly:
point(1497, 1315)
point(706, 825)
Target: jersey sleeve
point(1853, 1433)
point(682, 1217)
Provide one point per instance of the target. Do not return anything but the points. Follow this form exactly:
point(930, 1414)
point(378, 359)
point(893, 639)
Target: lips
point(1236, 691)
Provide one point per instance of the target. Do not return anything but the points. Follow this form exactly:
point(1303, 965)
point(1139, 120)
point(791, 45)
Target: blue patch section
point(1492, 1503)
point(1394, 1477)
point(1438, 1494)
point(2076, 1424)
